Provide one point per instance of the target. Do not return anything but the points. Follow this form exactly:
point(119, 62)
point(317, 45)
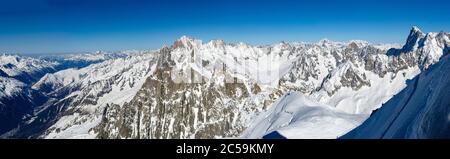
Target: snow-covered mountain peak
point(359, 43)
point(418, 111)
point(215, 89)
point(324, 42)
point(413, 39)
point(10, 59)
point(14, 65)
point(186, 42)
point(9, 87)
point(216, 43)
point(432, 47)
point(416, 29)
point(327, 43)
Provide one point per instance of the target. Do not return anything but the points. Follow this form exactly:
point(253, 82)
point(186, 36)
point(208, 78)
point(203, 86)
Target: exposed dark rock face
point(195, 90)
point(163, 108)
point(166, 109)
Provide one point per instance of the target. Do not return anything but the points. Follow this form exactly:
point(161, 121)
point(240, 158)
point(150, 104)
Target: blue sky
point(53, 26)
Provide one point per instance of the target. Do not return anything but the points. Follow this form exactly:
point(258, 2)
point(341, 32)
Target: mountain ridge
point(214, 89)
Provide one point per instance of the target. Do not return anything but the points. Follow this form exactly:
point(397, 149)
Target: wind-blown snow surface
point(421, 110)
point(296, 116)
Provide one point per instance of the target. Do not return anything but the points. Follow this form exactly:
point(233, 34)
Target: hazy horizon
point(49, 26)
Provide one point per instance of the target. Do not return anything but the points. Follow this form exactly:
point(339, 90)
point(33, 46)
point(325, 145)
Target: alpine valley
point(214, 89)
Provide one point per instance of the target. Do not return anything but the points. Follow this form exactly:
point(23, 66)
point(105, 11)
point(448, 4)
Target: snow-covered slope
point(9, 87)
point(18, 100)
point(358, 85)
point(25, 69)
point(341, 75)
point(421, 110)
point(96, 56)
point(85, 92)
point(29, 69)
point(296, 116)
point(215, 89)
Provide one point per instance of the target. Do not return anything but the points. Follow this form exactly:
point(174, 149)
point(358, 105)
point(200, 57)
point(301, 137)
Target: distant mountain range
point(219, 90)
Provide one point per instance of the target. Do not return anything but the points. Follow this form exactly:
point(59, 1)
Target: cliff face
point(164, 108)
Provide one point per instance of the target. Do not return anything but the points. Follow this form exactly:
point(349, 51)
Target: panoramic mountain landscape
point(216, 89)
point(224, 69)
